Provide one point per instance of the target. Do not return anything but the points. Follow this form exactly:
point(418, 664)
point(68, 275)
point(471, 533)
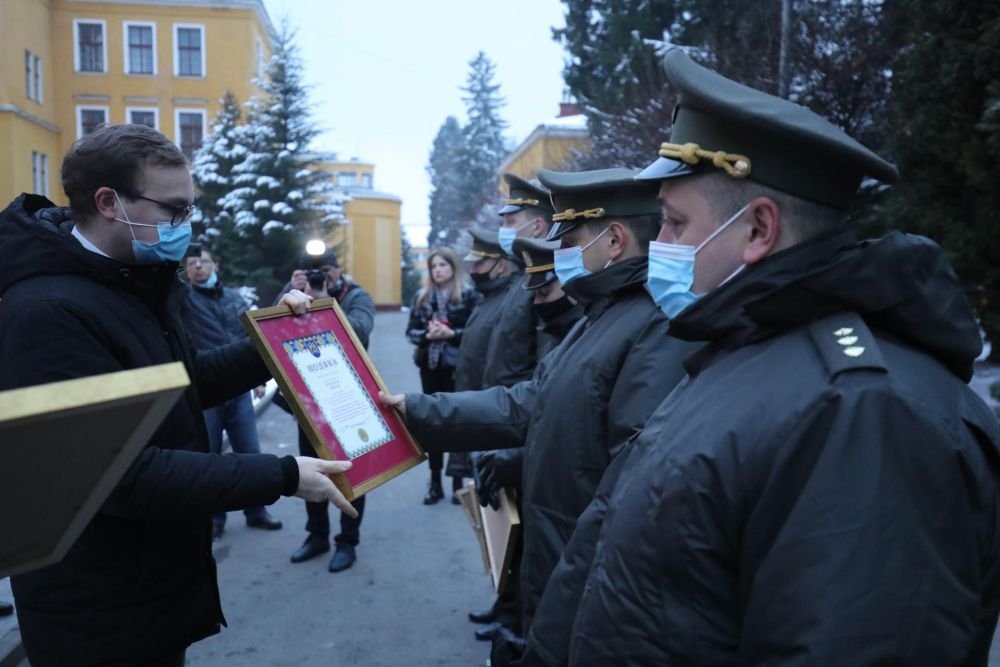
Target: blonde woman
point(437, 319)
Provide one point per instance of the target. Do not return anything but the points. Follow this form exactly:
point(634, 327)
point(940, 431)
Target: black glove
point(486, 486)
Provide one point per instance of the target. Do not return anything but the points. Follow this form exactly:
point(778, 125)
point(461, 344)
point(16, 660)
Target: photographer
point(319, 277)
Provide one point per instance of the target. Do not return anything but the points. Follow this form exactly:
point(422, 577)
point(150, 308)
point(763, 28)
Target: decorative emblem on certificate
point(332, 387)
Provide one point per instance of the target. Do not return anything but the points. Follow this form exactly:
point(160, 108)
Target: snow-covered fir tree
point(279, 198)
point(446, 171)
point(212, 168)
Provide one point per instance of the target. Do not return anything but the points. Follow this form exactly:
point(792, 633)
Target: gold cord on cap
point(737, 166)
point(521, 201)
point(573, 214)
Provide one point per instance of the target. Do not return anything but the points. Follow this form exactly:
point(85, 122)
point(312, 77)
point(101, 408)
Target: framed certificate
point(332, 387)
point(470, 505)
point(65, 446)
point(502, 531)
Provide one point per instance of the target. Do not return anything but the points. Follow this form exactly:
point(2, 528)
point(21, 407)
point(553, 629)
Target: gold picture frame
point(272, 330)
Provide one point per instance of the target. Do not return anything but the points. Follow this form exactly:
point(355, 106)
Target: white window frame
point(125, 46)
point(29, 76)
point(155, 110)
point(177, 53)
point(76, 44)
point(80, 108)
point(261, 66)
point(177, 123)
point(40, 173)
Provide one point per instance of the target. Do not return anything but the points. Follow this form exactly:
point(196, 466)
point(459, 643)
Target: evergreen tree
point(279, 199)
point(483, 148)
point(410, 275)
point(447, 183)
point(212, 169)
point(946, 116)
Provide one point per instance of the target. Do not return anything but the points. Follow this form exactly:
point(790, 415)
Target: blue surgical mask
point(212, 280)
point(506, 236)
point(569, 261)
point(173, 243)
point(671, 271)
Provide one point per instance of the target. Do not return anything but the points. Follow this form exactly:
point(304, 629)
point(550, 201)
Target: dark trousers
point(433, 380)
point(237, 419)
point(319, 513)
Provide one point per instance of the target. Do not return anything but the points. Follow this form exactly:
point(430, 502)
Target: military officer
point(822, 490)
point(592, 393)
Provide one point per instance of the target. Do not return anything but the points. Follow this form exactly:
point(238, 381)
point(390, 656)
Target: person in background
point(437, 319)
point(211, 313)
point(321, 278)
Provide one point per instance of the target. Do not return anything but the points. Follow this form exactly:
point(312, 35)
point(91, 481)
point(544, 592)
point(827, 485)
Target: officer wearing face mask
point(594, 391)
point(513, 350)
point(93, 289)
point(823, 490)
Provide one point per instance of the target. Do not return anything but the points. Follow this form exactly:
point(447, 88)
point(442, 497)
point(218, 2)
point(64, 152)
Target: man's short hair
point(644, 228)
point(801, 218)
point(114, 156)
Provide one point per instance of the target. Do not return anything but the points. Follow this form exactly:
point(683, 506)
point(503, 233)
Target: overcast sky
point(386, 73)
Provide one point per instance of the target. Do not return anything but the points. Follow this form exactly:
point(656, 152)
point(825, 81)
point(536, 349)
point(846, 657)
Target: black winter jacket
point(476, 337)
point(422, 311)
point(588, 397)
point(212, 316)
point(514, 338)
point(822, 490)
point(140, 581)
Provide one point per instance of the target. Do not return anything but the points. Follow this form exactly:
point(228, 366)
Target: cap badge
point(522, 201)
point(737, 166)
point(527, 257)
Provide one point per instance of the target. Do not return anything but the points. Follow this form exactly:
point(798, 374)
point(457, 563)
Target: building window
point(190, 130)
point(347, 179)
point(189, 50)
point(40, 173)
point(366, 181)
point(32, 76)
point(140, 48)
point(90, 54)
point(88, 118)
point(39, 97)
point(260, 59)
point(143, 116)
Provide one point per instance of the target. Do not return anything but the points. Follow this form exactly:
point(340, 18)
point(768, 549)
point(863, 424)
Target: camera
point(316, 278)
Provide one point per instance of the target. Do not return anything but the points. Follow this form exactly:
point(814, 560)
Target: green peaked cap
point(721, 124)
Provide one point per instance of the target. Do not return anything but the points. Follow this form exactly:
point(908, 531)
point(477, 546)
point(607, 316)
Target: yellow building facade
point(371, 236)
point(69, 65)
point(550, 145)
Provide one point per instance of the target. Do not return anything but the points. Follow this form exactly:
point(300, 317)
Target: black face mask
point(480, 279)
point(552, 311)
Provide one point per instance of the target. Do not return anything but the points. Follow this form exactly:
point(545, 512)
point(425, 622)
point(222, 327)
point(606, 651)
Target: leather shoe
point(264, 521)
point(343, 558)
point(312, 547)
point(434, 494)
point(217, 530)
point(487, 616)
point(488, 632)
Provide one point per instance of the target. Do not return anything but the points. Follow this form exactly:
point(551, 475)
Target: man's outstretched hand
point(315, 485)
point(396, 401)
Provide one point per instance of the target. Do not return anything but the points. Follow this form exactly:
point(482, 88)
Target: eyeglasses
point(180, 214)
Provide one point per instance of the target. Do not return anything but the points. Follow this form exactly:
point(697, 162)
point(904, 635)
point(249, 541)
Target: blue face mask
point(569, 261)
point(506, 236)
point(173, 243)
point(671, 271)
point(212, 280)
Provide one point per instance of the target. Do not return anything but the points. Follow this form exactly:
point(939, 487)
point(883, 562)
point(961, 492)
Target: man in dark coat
point(359, 309)
point(592, 393)
point(823, 488)
point(513, 347)
point(491, 275)
point(211, 315)
point(93, 289)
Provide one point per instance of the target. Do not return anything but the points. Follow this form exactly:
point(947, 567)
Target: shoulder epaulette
point(845, 343)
